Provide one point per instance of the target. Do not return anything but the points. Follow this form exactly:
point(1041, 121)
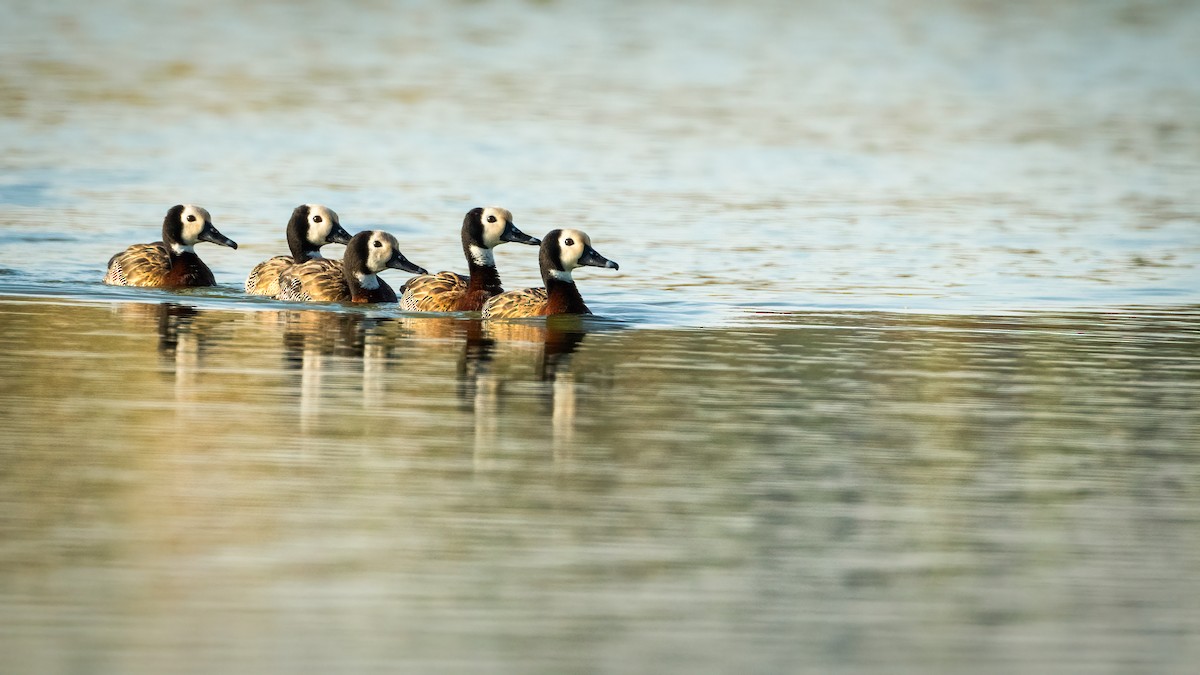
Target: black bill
point(399, 262)
point(338, 235)
point(511, 233)
point(593, 258)
point(210, 234)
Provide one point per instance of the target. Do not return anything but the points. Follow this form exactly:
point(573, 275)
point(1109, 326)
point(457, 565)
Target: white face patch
point(379, 250)
point(571, 245)
point(321, 220)
point(494, 220)
point(191, 220)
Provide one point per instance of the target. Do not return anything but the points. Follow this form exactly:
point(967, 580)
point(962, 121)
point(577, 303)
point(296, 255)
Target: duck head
point(485, 228)
point(311, 227)
point(564, 250)
point(186, 225)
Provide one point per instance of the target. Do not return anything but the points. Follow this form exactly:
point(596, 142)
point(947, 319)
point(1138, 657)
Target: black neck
point(563, 296)
point(301, 248)
point(484, 277)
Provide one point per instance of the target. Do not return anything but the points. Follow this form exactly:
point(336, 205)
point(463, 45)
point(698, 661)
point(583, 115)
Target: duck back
point(264, 278)
point(441, 292)
point(319, 280)
point(152, 265)
point(527, 302)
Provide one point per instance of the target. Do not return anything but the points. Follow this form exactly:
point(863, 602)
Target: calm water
point(901, 370)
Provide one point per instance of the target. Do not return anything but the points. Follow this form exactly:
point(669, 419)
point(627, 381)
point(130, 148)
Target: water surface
point(204, 489)
point(899, 372)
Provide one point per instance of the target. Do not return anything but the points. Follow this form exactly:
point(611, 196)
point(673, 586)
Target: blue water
point(941, 157)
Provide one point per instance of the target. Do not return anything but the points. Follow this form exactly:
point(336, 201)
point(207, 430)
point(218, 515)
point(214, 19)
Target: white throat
point(182, 248)
point(562, 275)
point(481, 256)
point(367, 281)
point(314, 255)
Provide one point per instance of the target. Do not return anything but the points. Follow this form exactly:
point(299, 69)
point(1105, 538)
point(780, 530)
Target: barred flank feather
point(139, 265)
point(264, 278)
point(517, 304)
point(152, 265)
point(439, 292)
point(320, 280)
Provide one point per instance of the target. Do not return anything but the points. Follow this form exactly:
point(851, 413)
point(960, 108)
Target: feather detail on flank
point(314, 280)
point(433, 292)
point(139, 265)
point(264, 278)
point(512, 304)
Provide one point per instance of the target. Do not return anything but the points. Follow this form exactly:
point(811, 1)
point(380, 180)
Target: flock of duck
point(306, 276)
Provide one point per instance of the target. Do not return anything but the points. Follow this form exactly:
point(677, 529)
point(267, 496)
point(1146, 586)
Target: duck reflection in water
point(185, 335)
point(488, 373)
point(181, 341)
point(318, 342)
point(506, 378)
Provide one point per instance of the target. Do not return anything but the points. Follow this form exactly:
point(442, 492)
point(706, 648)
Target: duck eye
point(491, 219)
point(377, 244)
point(191, 218)
point(316, 219)
point(568, 242)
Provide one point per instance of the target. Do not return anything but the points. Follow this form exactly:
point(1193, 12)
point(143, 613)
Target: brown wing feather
point(139, 265)
point(433, 292)
point(320, 280)
point(264, 278)
point(516, 304)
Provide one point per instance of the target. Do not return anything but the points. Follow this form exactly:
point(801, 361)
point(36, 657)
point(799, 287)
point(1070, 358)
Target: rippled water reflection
point(200, 489)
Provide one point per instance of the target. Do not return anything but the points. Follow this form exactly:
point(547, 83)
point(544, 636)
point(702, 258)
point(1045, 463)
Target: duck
point(354, 278)
point(561, 251)
point(310, 227)
point(172, 262)
point(483, 229)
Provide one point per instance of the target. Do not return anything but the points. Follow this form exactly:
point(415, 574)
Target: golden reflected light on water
point(183, 481)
